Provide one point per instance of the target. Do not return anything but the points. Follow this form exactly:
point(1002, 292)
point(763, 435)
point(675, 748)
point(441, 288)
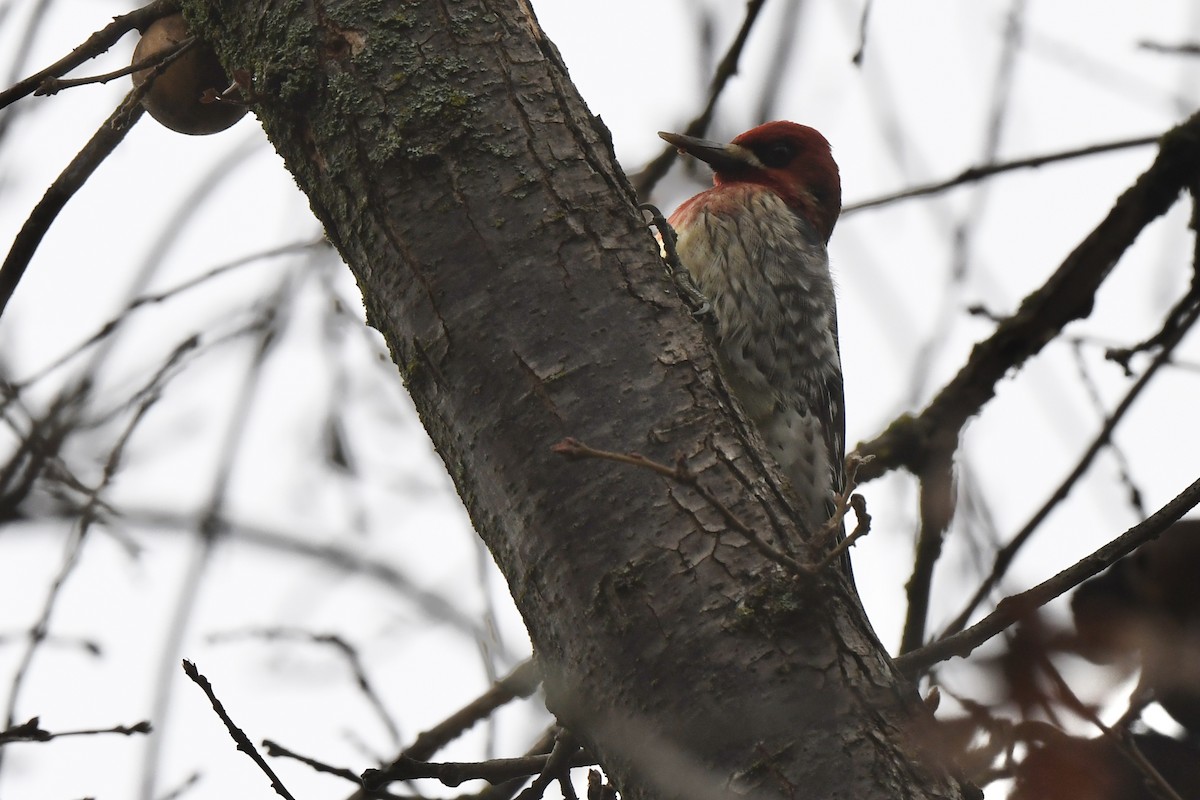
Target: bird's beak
point(717, 155)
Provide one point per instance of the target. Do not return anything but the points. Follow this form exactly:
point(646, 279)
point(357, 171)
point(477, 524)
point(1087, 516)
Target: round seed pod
point(174, 97)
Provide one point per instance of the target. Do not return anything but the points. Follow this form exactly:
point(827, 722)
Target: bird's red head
point(792, 160)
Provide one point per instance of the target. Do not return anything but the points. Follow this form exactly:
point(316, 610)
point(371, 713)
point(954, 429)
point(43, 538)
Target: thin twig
point(936, 501)
point(975, 174)
point(91, 512)
point(454, 773)
point(1092, 390)
point(857, 58)
point(776, 63)
point(54, 85)
point(243, 741)
point(521, 682)
point(99, 42)
point(181, 788)
point(681, 474)
point(276, 750)
point(19, 55)
point(156, 522)
point(348, 652)
point(31, 731)
point(101, 145)
point(1172, 49)
point(645, 181)
point(124, 315)
point(87, 647)
point(1176, 317)
point(167, 236)
point(1012, 609)
point(558, 766)
point(39, 446)
point(1005, 555)
point(509, 789)
point(938, 493)
point(1068, 295)
point(208, 532)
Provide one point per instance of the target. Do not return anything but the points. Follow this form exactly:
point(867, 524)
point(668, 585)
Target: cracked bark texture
point(499, 251)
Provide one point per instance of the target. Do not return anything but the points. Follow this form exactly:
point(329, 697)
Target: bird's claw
point(695, 300)
point(697, 303)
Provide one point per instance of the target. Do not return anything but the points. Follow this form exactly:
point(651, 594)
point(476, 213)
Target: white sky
point(916, 111)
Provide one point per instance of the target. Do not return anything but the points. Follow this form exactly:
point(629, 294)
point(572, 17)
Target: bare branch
point(1068, 295)
point(101, 145)
point(975, 174)
point(558, 765)
point(53, 85)
point(1011, 609)
point(453, 773)
point(645, 181)
point(243, 741)
point(99, 42)
point(937, 509)
point(1004, 557)
point(126, 314)
point(276, 750)
point(348, 652)
point(863, 18)
point(31, 731)
point(521, 682)
point(208, 531)
point(1186, 49)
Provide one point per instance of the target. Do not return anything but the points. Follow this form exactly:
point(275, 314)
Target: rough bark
point(499, 251)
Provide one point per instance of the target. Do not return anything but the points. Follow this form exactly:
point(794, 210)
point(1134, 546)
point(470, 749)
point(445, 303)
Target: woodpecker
point(754, 244)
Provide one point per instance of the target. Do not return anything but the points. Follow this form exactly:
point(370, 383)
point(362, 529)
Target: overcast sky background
point(419, 598)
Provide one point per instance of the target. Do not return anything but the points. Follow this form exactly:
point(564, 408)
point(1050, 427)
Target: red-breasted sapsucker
point(755, 246)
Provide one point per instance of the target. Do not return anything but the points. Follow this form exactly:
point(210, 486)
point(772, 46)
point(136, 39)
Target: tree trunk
point(499, 251)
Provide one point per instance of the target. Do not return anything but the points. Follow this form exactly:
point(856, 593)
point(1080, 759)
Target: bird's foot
point(692, 297)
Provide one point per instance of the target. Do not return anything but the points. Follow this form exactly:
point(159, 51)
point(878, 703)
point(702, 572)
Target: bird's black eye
point(777, 154)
